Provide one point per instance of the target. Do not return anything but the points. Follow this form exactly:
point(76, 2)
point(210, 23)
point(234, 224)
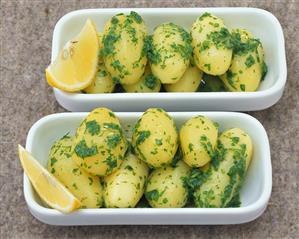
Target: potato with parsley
point(85, 187)
point(189, 82)
point(223, 179)
point(123, 48)
point(165, 187)
point(99, 145)
point(102, 82)
point(212, 46)
point(146, 84)
point(248, 67)
point(155, 138)
point(169, 50)
point(198, 138)
point(125, 187)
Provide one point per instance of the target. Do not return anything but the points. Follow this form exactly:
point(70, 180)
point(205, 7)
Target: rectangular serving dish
point(255, 192)
point(261, 23)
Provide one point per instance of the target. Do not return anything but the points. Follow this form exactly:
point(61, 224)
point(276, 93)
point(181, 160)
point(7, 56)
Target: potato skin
point(188, 83)
point(155, 138)
point(125, 187)
point(198, 137)
point(169, 52)
point(165, 187)
point(123, 48)
point(85, 187)
point(102, 82)
point(246, 70)
point(211, 42)
point(224, 181)
point(99, 145)
point(147, 83)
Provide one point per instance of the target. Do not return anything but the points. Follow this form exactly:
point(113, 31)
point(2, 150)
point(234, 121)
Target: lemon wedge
point(76, 64)
point(47, 186)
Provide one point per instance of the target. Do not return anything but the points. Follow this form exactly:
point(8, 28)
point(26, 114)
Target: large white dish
point(261, 23)
point(255, 192)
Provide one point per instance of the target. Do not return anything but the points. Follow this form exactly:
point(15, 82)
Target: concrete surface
point(26, 32)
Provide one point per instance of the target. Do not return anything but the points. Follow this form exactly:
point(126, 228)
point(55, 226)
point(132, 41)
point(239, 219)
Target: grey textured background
point(26, 31)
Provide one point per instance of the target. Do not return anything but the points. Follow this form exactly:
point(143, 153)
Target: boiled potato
point(169, 51)
point(188, 83)
point(211, 84)
point(125, 187)
point(85, 187)
point(123, 48)
point(102, 82)
point(198, 137)
point(247, 67)
point(99, 146)
point(212, 46)
point(165, 187)
point(155, 138)
point(147, 83)
point(224, 177)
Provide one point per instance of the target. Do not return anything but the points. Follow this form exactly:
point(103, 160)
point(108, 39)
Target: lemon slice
point(76, 64)
point(46, 185)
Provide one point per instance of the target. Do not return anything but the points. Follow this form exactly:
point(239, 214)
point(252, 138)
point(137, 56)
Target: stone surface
point(26, 29)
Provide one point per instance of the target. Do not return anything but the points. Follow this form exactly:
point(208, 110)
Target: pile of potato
point(174, 60)
point(102, 168)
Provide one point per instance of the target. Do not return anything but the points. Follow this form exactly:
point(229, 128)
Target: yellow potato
point(247, 67)
point(225, 176)
point(125, 187)
point(165, 187)
point(155, 138)
point(169, 52)
point(212, 46)
point(123, 48)
point(102, 82)
point(198, 137)
point(99, 145)
point(85, 187)
point(147, 83)
point(188, 83)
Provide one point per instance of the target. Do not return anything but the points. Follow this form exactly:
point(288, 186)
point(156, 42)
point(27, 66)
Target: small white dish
point(261, 23)
point(255, 192)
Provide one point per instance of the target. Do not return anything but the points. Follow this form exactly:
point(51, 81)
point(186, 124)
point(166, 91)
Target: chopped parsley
point(53, 161)
point(142, 136)
point(151, 81)
point(221, 38)
point(83, 151)
point(112, 163)
point(208, 66)
point(206, 14)
point(242, 87)
point(158, 142)
point(137, 18)
point(113, 140)
point(93, 127)
point(249, 61)
point(153, 195)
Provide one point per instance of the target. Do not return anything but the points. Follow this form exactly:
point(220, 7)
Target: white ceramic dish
point(255, 192)
point(260, 22)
